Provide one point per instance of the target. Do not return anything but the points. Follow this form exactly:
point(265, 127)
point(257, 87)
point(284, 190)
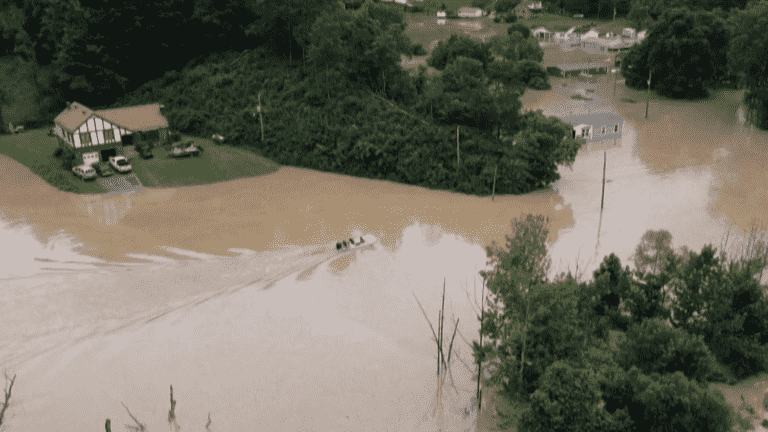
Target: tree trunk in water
point(525, 333)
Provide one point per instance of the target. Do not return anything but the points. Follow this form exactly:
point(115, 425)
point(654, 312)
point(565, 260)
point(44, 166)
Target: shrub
point(520, 28)
point(418, 49)
point(506, 5)
point(764, 423)
point(655, 347)
point(58, 152)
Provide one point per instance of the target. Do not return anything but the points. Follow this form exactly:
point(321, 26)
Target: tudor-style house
point(97, 135)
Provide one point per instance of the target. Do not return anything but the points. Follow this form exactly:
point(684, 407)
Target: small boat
point(359, 243)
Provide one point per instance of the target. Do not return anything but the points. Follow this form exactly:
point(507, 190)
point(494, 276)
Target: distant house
point(574, 69)
point(440, 14)
point(528, 9)
point(97, 135)
point(641, 35)
point(597, 126)
point(468, 12)
point(630, 32)
point(592, 33)
point(542, 34)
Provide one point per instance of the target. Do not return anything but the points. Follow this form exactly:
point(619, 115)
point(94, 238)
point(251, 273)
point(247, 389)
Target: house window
point(109, 135)
point(85, 138)
point(616, 128)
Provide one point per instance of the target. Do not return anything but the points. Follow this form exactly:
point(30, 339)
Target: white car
point(84, 171)
point(120, 163)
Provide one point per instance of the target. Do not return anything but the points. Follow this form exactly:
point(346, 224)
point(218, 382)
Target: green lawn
point(218, 163)
point(34, 149)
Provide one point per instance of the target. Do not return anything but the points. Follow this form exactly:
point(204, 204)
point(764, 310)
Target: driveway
point(118, 183)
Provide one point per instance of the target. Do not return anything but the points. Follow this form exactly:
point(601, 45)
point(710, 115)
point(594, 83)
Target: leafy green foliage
point(684, 51)
point(602, 300)
point(458, 46)
point(502, 6)
point(655, 347)
point(696, 407)
point(567, 399)
point(519, 28)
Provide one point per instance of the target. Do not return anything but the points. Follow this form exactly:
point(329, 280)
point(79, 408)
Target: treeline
point(350, 108)
point(629, 350)
point(693, 46)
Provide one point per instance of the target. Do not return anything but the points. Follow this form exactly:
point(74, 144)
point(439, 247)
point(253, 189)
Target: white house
point(440, 14)
point(642, 35)
point(542, 34)
point(597, 126)
point(630, 32)
point(97, 135)
point(592, 33)
point(468, 12)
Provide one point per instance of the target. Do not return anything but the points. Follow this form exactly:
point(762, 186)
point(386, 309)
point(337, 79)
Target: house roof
point(540, 30)
point(579, 66)
point(599, 119)
point(469, 10)
point(534, 6)
point(136, 118)
point(73, 116)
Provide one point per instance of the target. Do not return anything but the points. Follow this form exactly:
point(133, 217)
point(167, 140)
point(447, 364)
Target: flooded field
point(235, 295)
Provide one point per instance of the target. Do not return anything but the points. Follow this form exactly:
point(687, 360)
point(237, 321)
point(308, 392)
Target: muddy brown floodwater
point(116, 296)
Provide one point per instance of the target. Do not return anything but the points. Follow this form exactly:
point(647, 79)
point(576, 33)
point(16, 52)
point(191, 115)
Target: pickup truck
point(120, 163)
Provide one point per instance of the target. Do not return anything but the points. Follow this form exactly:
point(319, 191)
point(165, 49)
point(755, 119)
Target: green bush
point(519, 28)
point(506, 5)
point(764, 423)
point(655, 347)
point(58, 152)
point(417, 49)
point(765, 402)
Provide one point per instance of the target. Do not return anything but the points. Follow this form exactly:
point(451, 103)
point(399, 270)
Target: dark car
point(103, 169)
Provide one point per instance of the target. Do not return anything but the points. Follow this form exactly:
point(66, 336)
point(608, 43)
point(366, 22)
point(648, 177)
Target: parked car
point(185, 149)
point(103, 169)
point(84, 171)
point(120, 163)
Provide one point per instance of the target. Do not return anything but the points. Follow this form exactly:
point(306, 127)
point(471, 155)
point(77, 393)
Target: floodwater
point(234, 294)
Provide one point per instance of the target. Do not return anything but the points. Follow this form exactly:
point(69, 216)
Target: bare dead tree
point(442, 362)
point(7, 396)
point(207, 426)
point(139, 427)
point(172, 413)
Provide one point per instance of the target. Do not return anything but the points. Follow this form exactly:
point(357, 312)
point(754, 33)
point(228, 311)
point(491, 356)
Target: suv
point(84, 171)
point(120, 163)
point(103, 169)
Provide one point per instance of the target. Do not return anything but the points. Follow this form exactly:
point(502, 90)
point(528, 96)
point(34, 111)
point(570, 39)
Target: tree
point(567, 399)
point(651, 254)
point(655, 347)
point(503, 6)
point(514, 47)
point(684, 52)
point(517, 267)
point(519, 28)
point(747, 59)
point(458, 45)
point(532, 74)
point(676, 403)
point(603, 299)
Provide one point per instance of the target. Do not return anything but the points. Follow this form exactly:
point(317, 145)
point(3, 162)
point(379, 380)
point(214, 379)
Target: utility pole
point(493, 194)
point(602, 198)
point(261, 120)
point(648, 98)
point(458, 158)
